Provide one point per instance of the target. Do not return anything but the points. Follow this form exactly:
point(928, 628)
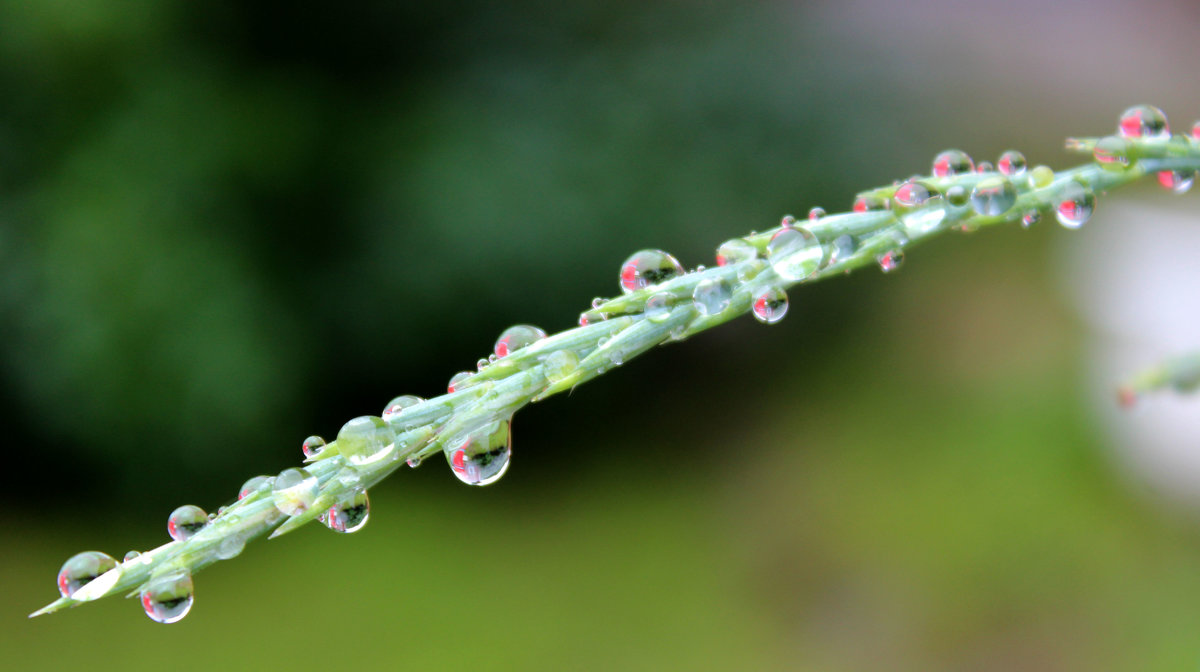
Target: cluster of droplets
point(1144, 123)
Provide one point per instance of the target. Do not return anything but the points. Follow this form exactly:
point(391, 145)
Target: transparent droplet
point(795, 254)
point(712, 296)
point(481, 363)
point(842, 248)
point(1041, 176)
point(186, 521)
point(913, 194)
point(658, 307)
point(1012, 163)
point(349, 514)
point(1144, 121)
point(957, 195)
point(816, 213)
point(1178, 181)
point(366, 440)
point(482, 457)
point(81, 569)
point(770, 305)
point(559, 364)
point(167, 599)
point(985, 167)
point(312, 446)
point(520, 336)
point(391, 412)
point(1031, 218)
point(457, 380)
point(647, 268)
point(735, 250)
point(1075, 205)
point(871, 203)
point(787, 221)
point(254, 485)
point(993, 196)
point(413, 462)
point(1112, 152)
point(1196, 131)
point(598, 301)
point(890, 260)
point(952, 162)
point(583, 322)
point(231, 547)
point(131, 555)
point(294, 491)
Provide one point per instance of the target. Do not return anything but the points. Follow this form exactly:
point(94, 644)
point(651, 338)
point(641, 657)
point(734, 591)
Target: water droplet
point(254, 485)
point(461, 377)
point(482, 457)
point(985, 167)
point(890, 260)
point(391, 412)
point(520, 336)
point(816, 213)
point(871, 203)
point(787, 221)
point(795, 254)
point(366, 440)
point(957, 195)
point(1144, 121)
point(231, 547)
point(312, 446)
point(913, 194)
point(648, 268)
point(186, 521)
point(413, 462)
point(712, 296)
point(294, 491)
point(1196, 131)
point(952, 162)
point(167, 599)
point(349, 514)
point(583, 322)
point(735, 250)
point(658, 307)
point(1041, 176)
point(770, 305)
point(842, 248)
point(560, 364)
point(993, 196)
point(81, 569)
point(1075, 205)
point(131, 555)
point(598, 301)
point(1012, 163)
point(1031, 218)
point(481, 363)
point(1178, 181)
point(1112, 153)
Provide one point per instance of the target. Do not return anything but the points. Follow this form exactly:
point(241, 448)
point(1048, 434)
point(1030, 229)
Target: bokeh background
point(225, 226)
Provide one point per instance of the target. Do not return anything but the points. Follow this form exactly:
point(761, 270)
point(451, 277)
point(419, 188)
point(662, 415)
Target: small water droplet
point(787, 221)
point(167, 599)
point(349, 514)
point(952, 162)
point(366, 440)
point(870, 203)
point(312, 446)
point(770, 305)
point(913, 194)
point(1178, 181)
point(186, 521)
point(816, 213)
point(294, 491)
point(1196, 131)
point(1144, 121)
point(598, 301)
point(483, 456)
point(658, 307)
point(391, 412)
point(81, 569)
point(1041, 176)
point(413, 462)
point(795, 254)
point(993, 196)
point(131, 555)
point(890, 260)
point(1031, 218)
point(711, 296)
point(231, 547)
point(459, 378)
point(1112, 153)
point(985, 167)
point(521, 336)
point(1012, 163)
point(254, 485)
point(583, 322)
point(735, 250)
point(481, 363)
point(842, 248)
point(957, 195)
point(1075, 205)
point(560, 364)
point(647, 268)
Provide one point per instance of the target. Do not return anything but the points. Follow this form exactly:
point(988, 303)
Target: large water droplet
point(891, 260)
point(712, 296)
point(81, 569)
point(457, 380)
point(795, 253)
point(366, 440)
point(391, 412)
point(186, 521)
point(770, 305)
point(1075, 205)
point(1178, 181)
point(559, 364)
point(1144, 121)
point(294, 491)
point(1112, 153)
point(482, 457)
point(312, 446)
point(254, 485)
point(952, 162)
point(1012, 163)
point(735, 250)
point(516, 337)
point(993, 196)
point(647, 268)
point(349, 514)
point(167, 599)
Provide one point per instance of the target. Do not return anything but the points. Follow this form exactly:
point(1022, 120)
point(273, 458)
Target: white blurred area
point(1134, 276)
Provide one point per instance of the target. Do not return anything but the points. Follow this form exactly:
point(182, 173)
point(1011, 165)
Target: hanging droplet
point(890, 260)
point(81, 569)
point(952, 162)
point(1112, 153)
point(1178, 181)
point(1012, 163)
point(787, 221)
point(816, 213)
point(559, 364)
point(770, 305)
point(294, 491)
point(483, 456)
point(519, 336)
point(735, 250)
point(985, 167)
point(366, 440)
point(795, 254)
point(647, 268)
point(312, 446)
point(658, 307)
point(1075, 205)
point(871, 203)
point(993, 196)
point(186, 521)
point(457, 380)
point(413, 461)
point(1144, 121)
point(167, 599)
point(957, 195)
point(254, 485)
point(712, 296)
point(391, 412)
point(349, 514)
point(842, 248)
point(230, 547)
point(913, 194)
point(1031, 218)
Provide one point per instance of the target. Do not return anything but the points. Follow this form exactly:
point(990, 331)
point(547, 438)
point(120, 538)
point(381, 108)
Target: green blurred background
point(225, 226)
